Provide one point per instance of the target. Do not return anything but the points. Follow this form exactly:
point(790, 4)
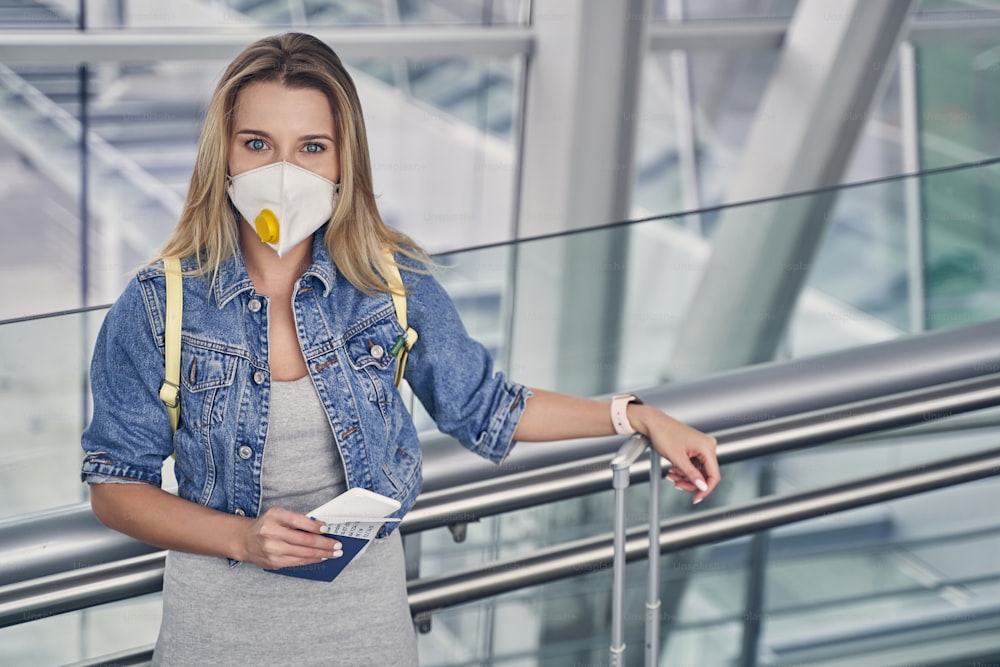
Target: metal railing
point(33, 586)
point(75, 587)
point(143, 574)
point(568, 560)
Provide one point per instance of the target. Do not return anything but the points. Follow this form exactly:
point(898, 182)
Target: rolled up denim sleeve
point(453, 377)
point(129, 435)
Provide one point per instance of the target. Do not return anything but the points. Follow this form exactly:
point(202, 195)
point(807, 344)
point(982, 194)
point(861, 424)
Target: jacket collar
point(233, 278)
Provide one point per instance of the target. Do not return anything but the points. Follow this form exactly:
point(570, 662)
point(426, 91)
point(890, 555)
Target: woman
point(287, 394)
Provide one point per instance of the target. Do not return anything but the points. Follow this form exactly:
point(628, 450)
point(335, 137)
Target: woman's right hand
point(279, 538)
point(282, 538)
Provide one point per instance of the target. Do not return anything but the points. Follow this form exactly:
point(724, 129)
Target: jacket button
point(245, 452)
point(239, 512)
point(377, 351)
point(253, 306)
point(258, 377)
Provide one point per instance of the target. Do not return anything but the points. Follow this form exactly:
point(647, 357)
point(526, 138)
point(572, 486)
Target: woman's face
point(274, 123)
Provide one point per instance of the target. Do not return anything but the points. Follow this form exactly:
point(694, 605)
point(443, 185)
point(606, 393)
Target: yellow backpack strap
point(170, 390)
point(401, 348)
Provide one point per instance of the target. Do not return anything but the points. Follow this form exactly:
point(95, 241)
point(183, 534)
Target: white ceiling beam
point(60, 47)
point(770, 33)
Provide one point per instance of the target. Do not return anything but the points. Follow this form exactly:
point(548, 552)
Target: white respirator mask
point(284, 204)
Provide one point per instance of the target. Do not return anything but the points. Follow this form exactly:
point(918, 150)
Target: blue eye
point(256, 144)
point(314, 148)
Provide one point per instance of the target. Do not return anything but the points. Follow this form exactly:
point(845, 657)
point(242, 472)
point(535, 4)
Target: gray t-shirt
point(214, 614)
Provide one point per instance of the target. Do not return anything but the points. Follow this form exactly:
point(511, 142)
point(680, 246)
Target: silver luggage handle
point(628, 454)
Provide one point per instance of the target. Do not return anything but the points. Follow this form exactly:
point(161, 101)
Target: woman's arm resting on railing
point(551, 416)
point(279, 538)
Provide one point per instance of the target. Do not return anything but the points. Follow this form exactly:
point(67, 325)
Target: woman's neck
point(272, 275)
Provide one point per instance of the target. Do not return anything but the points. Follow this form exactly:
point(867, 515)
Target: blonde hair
point(356, 235)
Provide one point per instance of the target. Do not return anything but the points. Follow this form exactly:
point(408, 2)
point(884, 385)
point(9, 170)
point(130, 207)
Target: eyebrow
point(307, 137)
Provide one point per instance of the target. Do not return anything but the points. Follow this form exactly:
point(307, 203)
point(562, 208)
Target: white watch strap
point(619, 414)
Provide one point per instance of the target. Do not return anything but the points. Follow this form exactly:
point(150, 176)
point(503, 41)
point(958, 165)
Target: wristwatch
point(619, 415)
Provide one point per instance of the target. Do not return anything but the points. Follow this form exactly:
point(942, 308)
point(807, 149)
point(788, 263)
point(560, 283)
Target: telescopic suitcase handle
point(628, 454)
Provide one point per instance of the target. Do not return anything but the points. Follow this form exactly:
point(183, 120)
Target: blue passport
point(353, 518)
point(328, 569)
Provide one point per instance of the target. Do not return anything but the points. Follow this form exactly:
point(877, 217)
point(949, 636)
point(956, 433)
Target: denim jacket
point(345, 336)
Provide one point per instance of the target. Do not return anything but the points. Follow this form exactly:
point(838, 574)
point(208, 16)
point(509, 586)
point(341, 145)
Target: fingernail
point(700, 484)
point(698, 500)
point(324, 558)
point(338, 553)
point(324, 528)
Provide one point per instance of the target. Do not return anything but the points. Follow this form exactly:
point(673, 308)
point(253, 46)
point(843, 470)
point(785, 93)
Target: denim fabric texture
point(346, 338)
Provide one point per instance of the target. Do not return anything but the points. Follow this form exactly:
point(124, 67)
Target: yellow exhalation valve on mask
point(267, 226)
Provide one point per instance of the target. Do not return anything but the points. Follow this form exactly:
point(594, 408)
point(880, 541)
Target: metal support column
point(577, 171)
point(753, 615)
point(916, 241)
point(684, 125)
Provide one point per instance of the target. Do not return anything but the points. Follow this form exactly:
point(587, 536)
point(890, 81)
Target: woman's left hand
point(694, 466)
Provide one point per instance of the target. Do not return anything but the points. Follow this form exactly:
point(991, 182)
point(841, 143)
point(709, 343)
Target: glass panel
point(687, 152)
point(590, 312)
point(484, 12)
point(881, 579)
point(861, 262)
point(444, 156)
point(958, 94)
point(82, 635)
point(144, 127)
point(889, 599)
point(31, 643)
point(40, 166)
point(43, 397)
point(481, 92)
point(857, 283)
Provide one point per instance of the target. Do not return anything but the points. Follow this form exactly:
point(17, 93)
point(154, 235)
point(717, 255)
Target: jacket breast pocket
point(206, 376)
point(371, 351)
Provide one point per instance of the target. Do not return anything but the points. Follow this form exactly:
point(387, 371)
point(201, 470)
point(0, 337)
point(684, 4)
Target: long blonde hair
point(356, 235)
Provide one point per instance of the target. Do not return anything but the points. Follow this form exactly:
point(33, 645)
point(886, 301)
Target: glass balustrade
point(529, 303)
point(522, 301)
point(43, 404)
point(957, 92)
